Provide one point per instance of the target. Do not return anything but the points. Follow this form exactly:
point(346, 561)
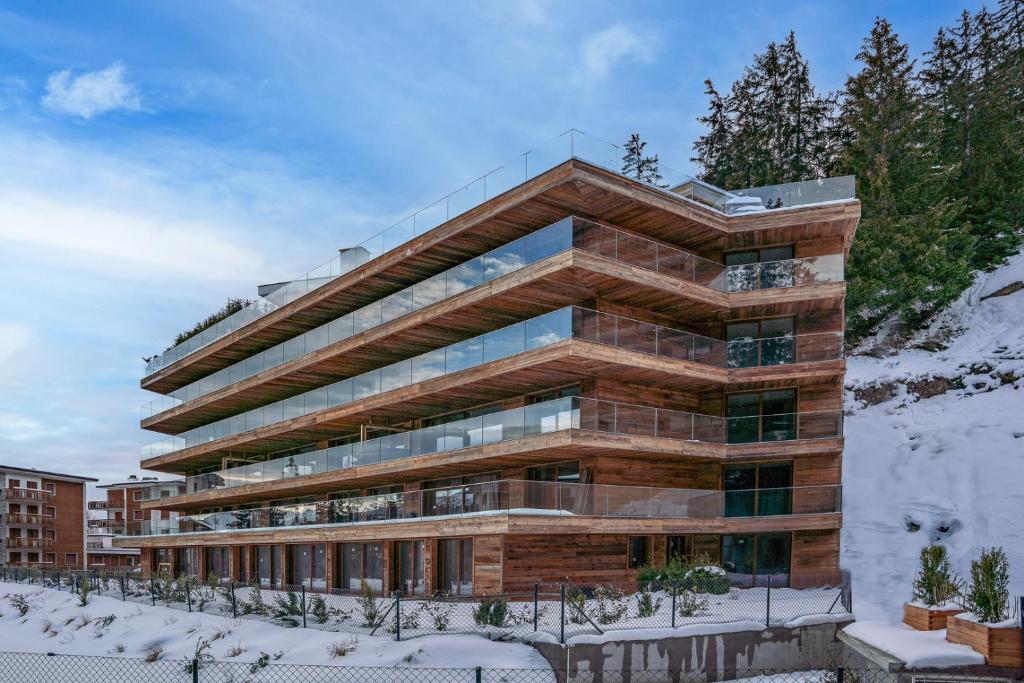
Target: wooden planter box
point(927, 619)
point(1001, 645)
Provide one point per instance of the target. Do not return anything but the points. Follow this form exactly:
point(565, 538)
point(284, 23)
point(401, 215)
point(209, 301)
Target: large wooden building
point(579, 376)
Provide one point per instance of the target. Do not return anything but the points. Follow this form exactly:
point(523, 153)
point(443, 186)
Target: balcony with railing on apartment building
point(569, 146)
point(565, 324)
point(569, 233)
point(27, 519)
point(102, 505)
point(531, 499)
point(28, 542)
point(26, 494)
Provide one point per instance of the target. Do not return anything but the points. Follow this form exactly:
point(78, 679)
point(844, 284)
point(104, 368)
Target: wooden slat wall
point(488, 553)
point(551, 559)
point(815, 558)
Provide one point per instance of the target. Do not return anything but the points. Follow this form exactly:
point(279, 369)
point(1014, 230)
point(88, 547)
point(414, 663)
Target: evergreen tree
point(712, 149)
point(636, 165)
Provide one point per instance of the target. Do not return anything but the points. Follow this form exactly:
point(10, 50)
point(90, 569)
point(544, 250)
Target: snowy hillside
point(935, 445)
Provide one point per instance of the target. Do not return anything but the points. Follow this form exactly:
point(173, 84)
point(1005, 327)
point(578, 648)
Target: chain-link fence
point(562, 610)
point(49, 668)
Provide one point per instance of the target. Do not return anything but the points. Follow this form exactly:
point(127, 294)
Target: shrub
point(611, 603)
point(261, 663)
point(319, 609)
point(255, 604)
point(989, 593)
point(287, 611)
point(439, 610)
point(491, 612)
point(576, 604)
point(19, 603)
point(935, 583)
point(369, 607)
point(342, 648)
point(84, 588)
point(708, 579)
point(200, 657)
point(690, 604)
point(647, 605)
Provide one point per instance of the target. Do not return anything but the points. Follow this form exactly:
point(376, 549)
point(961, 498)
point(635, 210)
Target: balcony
point(570, 145)
point(37, 495)
point(104, 505)
point(28, 519)
point(107, 523)
point(529, 498)
point(567, 323)
point(569, 233)
point(519, 423)
point(30, 543)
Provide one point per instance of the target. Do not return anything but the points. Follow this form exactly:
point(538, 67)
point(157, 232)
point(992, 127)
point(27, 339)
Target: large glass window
point(760, 268)
point(455, 575)
point(747, 556)
point(639, 551)
point(268, 565)
point(409, 558)
point(762, 416)
point(308, 565)
point(678, 548)
point(754, 343)
point(551, 495)
point(758, 489)
point(458, 495)
point(186, 561)
point(217, 562)
point(362, 562)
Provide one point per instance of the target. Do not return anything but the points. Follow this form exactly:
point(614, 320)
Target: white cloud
point(600, 52)
point(92, 93)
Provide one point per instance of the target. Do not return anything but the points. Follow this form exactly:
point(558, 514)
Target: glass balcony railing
point(518, 423)
point(572, 144)
point(571, 232)
point(524, 497)
point(566, 323)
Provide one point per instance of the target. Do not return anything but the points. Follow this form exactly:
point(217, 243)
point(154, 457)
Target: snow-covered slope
point(935, 445)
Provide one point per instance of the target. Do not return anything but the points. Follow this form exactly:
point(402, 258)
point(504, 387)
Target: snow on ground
point(56, 623)
point(916, 648)
point(949, 468)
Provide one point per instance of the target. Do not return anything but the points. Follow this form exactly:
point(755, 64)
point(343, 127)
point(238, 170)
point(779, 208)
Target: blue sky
point(158, 158)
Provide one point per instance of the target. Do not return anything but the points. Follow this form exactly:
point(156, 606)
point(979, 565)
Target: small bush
point(647, 605)
point(708, 579)
point(343, 647)
point(255, 604)
point(234, 651)
point(988, 595)
point(319, 609)
point(935, 583)
point(491, 612)
point(261, 663)
point(84, 589)
point(19, 603)
point(104, 622)
point(371, 609)
point(287, 611)
point(690, 604)
point(200, 657)
point(611, 604)
point(439, 611)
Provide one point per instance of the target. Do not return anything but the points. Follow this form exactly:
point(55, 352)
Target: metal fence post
point(195, 670)
point(768, 605)
point(561, 630)
point(536, 601)
point(234, 603)
point(840, 673)
point(675, 591)
point(188, 595)
point(398, 615)
point(303, 605)
point(152, 590)
point(479, 675)
point(123, 580)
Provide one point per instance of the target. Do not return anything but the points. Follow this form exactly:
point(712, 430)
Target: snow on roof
point(915, 648)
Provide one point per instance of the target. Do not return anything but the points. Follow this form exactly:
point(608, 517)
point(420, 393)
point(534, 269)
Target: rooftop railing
point(518, 423)
point(572, 144)
point(530, 498)
point(567, 323)
point(571, 232)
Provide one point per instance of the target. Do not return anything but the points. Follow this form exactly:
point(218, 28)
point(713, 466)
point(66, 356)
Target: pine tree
point(636, 165)
point(713, 152)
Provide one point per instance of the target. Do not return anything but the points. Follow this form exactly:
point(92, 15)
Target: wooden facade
point(513, 548)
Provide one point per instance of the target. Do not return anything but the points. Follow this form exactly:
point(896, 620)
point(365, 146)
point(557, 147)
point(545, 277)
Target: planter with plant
point(936, 592)
point(988, 628)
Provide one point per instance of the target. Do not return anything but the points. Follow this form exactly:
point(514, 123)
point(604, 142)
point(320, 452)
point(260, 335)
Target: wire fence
point(51, 668)
point(562, 610)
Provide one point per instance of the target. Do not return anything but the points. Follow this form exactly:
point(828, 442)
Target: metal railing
point(11, 493)
point(571, 232)
point(572, 322)
point(25, 542)
point(572, 144)
point(28, 519)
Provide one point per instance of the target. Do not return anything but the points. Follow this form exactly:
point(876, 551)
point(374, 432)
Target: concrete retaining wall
point(719, 655)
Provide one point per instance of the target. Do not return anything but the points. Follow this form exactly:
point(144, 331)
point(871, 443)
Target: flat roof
point(44, 473)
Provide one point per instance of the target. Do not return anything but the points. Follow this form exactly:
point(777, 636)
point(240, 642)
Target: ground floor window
point(308, 565)
point(217, 563)
point(362, 562)
point(15, 558)
point(455, 573)
point(752, 555)
point(677, 548)
point(70, 559)
point(186, 561)
point(409, 558)
point(639, 551)
point(267, 565)
point(51, 558)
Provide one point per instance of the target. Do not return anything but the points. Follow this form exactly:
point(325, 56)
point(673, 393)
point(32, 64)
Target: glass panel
point(773, 554)
point(738, 553)
point(739, 482)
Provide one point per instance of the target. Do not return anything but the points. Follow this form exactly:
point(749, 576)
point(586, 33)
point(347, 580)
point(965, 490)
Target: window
point(51, 534)
point(268, 565)
point(564, 392)
point(32, 509)
point(217, 562)
point(753, 555)
point(51, 511)
point(162, 558)
point(33, 558)
point(556, 489)
point(462, 415)
point(33, 485)
point(762, 416)
point(455, 574)
point(754, 343)
point(51, 558)
point(186, 561)
point(308, 565)
point(760, 490)
point(765, 268)
point(52, 488)
point(362, 562)
point(409, 557)
point(15, 558)
point(639, 551)
point(138, 515)
point(678, 548)
point(14, 484)
point(71, 559)
point(456, 495)
point(136, 494)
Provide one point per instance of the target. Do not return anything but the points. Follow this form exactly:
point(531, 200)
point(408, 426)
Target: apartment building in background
point(42, 518)
point(567, 376)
